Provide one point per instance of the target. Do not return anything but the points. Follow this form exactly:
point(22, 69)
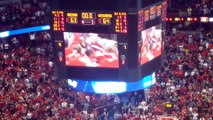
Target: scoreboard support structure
point(112, 40)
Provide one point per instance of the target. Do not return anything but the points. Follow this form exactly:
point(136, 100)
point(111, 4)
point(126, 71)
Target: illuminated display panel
point(58, 20)
point(120, 22)
point(88, 18)
point(164, 9)
point(72, 18)
point(159, 9)
point(151, 43)
point(109, 22)
point(140, 20)
point(91, 50)
point(104, 19)
point(105, 35)
point(65, 20)
point(100, 87)
point(146, 15)
point(88, 15)
point(152, 12)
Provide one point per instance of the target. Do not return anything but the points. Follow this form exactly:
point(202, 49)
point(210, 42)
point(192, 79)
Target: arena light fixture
point(4, 34)
point(189, 19)
point(177, 19)
point(204, 19)
point(210, 19)
point(24, 30)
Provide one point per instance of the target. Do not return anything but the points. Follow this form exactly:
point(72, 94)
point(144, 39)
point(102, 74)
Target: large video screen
point(91, 50)
point(151, 43)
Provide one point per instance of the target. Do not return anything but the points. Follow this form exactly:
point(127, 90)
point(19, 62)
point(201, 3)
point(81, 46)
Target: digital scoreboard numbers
point(88, 15)
point(104, 19)
point(140, 20)
point(146, 15)
point(88, 18)
point(58, 20)
point(113, 21)
point(72, 18)
point(120, 22)
point(159, 8)
point(164, 9)
point(152, 12)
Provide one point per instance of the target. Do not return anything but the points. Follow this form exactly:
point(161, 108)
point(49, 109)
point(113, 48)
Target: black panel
point(145, 3)
point(132, 42)
point(86, 73)
point(153, 22)
point(132, 3)
point(151, 66)
point(99, 29)
point(88, 4)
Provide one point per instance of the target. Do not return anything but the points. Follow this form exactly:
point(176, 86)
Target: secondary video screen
point(151, 43)
point(91, 49)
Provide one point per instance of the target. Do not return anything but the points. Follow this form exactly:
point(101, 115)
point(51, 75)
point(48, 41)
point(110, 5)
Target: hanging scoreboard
point(119, 40)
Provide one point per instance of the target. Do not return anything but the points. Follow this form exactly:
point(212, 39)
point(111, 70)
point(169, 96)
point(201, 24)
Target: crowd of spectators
point(23, 13)
point(30, 90)
point(186, 78)
point(191, 7)
point(184, 85)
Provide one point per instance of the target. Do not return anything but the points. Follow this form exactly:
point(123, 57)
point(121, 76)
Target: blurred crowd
point(191, 7)
point(29, 89)
point(23, 13)
point(184, 85)
point(186, 79)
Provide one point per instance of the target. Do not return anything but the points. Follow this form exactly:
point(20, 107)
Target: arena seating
point(23, 13)
point(190, 7)
point(29, 89)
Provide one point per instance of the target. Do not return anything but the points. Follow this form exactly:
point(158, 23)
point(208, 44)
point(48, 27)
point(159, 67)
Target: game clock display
point(66, 20)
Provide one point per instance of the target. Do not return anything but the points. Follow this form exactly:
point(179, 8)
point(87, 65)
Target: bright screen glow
point(100, 87)
point(4, 34)
point(151, 43)
point(211, 19)
point(109, 87)
point(24, 30)
point(91, 50)
point(72, 83)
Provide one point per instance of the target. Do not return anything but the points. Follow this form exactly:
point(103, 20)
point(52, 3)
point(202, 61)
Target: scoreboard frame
point(90, 72)
point(128, 39)
point(150, 16)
